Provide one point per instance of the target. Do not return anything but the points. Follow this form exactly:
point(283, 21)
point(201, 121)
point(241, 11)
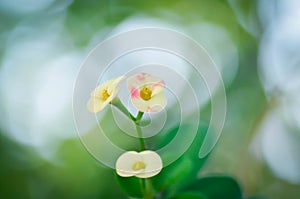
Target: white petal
point(158, 100)
point(150, 79)
point(137, 79)
point(143, 79)
point(157, 85)
point(155, 104)
point(125, 162)
point(153, 164)
point(98, 91)
point(95, 105)
point(109, 85)
point(113, 94)
point(140, 104)
point(113, 85)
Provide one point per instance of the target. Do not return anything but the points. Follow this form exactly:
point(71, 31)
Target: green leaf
point(172, 174)
point(130, 185)
point(183, 171)
point(216, 187)
point(189, 195)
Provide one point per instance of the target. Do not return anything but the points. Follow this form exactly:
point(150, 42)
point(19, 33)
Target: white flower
point(146, 92)
point(103, 95)
point(142, 165)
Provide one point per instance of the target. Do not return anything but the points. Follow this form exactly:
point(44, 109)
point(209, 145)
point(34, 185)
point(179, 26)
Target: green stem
point(139, 130)
point(148, 189)
point(141, 139)
point(146, 186)
point(117, 103)
point(142, 185)
point(139, 116)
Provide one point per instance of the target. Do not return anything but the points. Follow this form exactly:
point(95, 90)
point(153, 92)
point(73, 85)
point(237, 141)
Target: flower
point(146, 92)
point(142, 165)
point(104, 94)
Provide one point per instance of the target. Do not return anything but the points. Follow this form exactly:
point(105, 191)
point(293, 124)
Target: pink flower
point(146, 92)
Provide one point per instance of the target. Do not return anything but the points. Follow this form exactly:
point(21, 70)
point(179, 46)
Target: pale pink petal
point(157, 102)
point(135, 93)
point(150, 79)
point(140, 104)
point(157, 87)
point(133, 83)
point(142, 79)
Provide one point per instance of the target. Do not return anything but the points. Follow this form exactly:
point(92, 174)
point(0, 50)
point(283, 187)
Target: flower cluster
point(146, 93)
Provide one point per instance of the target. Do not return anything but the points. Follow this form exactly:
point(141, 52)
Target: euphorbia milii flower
point(142, 165)
point(104, 94)
point(146, 92)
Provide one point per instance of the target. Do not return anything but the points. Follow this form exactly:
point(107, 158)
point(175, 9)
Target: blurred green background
point(255, 44)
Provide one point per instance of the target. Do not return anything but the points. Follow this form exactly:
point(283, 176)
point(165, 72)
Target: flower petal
point(113, 94)
point(138, 79)
point(157, 87)
point(109, 85)
point(114, 84)
point(98, 91)
point(125, 162)
point(158, 100)
point(95, 105)
point(155, 104)
point(144, 79)
point(153, 162)
point(140, 104)
point(96, 102)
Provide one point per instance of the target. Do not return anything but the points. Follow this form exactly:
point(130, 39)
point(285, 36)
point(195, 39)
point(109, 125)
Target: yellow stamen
point(145, 93)
point(138, 165)
point(105, 95)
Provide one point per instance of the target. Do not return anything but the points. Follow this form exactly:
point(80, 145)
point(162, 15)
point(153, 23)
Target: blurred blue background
point(255, 44)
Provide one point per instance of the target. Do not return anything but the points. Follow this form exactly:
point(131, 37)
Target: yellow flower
point(142, 165)
point(104, 94)
point(146, 92)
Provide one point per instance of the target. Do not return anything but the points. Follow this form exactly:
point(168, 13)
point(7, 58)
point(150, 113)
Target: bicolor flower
point(104, 94)
point(146, 92)
point(142, 165)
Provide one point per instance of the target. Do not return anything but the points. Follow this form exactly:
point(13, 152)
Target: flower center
point(145, 93)
point(138, 165)
point(105, 95)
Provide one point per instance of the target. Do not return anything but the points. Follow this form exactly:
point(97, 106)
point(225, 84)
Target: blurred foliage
point(74, 175)
point(217, 187)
